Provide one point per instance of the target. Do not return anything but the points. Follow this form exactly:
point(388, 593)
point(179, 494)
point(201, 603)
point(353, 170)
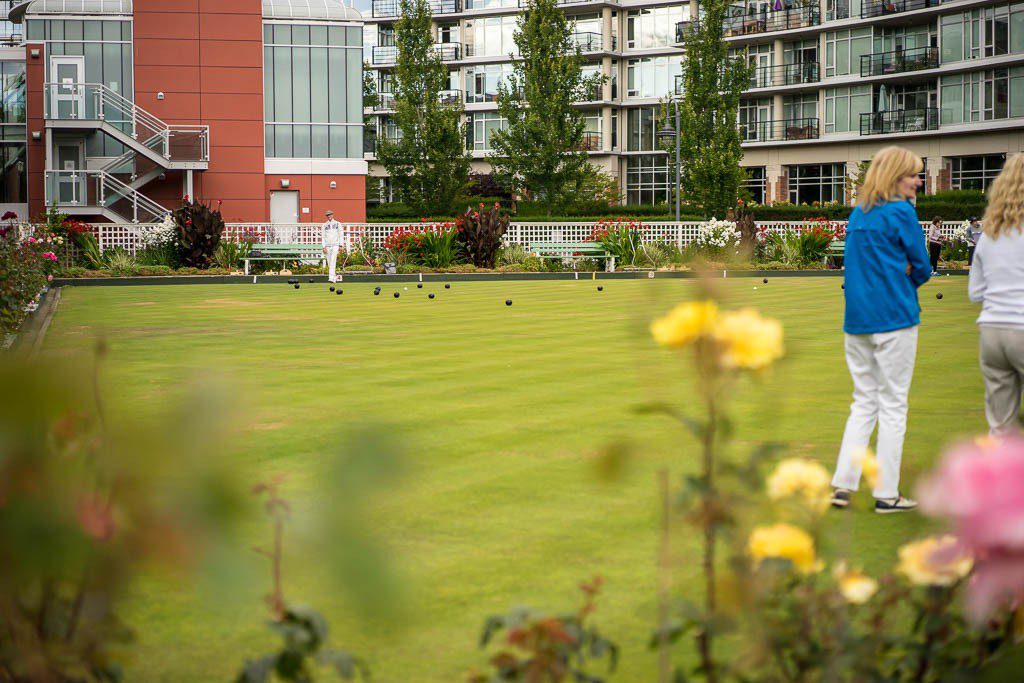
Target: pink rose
point(980, 490)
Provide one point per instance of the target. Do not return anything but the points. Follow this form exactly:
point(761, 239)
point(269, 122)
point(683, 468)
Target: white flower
point(716, 234)
point(159, 235)
point(960, 232)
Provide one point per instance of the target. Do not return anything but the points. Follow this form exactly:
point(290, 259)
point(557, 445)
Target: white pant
point(881, 366)
point(332, 261)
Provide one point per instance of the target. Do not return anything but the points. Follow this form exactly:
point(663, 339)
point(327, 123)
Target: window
point(841, 9)
point(13, 185)
point(482, 81)
point(490, 4)
point(642, 129)
point(843, 50)
point(654, 27)
point(648, 179)
point(312, 91)
point(756, 183)
point(843, 107)
point(491, 37)
point(982, 95)
point(809, 183)
point(986, 32)
point(976, 172)
point(799, 107)
point(652, 76)
point(13, 89)
point(755, 119)
point(481, 127)
point(903, 38)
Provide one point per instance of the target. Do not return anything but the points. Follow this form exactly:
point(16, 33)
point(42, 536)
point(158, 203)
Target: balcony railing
point(385, 101)
point(390, 8)
point(591, 142)
point(684, 29)
point(881, 8)
point(785, 74)
point(789, 129)
point(450, 97)
point(776, 20)
point(899, 121)
point(449, 52)
point(899, 61)
point(385, 54)
point(588, 42)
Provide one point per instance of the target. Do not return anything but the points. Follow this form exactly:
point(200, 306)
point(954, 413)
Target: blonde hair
point(887, 168)
point(1005, 210)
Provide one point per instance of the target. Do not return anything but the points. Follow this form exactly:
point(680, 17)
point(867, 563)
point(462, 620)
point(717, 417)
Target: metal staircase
point(153, 147)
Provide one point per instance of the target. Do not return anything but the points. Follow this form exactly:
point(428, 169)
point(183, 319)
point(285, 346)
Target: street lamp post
point(667, 133)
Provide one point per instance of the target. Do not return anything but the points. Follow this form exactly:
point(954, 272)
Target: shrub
point(230, 254)
point(120, 262)
point(23, 274)
point(716, 238)
point(159, 244)
point(621, 237)
point(480, 233)
point(512, 254)
point(434, 245)
point(199, 231)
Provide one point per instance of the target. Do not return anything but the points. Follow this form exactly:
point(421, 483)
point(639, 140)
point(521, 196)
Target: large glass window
point(648, 179)
point(312, 91)
point(755, 119)
point(491, 36)
point(655, 26)
point(756, 184)
point(642, 129)
point(13, 185)
point(843, 107)
point(976, 172)
point(12, 75)
point(482, 81)
point(809, 183)
point(982, 95)
point(652, 76)
point(843, 50)
point(986, 32)
point(482, 126)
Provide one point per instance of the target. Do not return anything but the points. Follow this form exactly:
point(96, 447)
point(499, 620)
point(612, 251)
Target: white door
point(284, 206)
point(71, 187)
point(67, 75)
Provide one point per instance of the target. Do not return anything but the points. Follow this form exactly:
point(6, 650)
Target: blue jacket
point(880, 296)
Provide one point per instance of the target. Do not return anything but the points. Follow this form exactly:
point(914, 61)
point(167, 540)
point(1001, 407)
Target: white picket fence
point(129, 236)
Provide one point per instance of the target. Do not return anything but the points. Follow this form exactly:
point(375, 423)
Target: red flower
point(10, 215)
point(185, 198)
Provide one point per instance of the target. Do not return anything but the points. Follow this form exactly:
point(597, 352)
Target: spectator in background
point(973, 233)
point(882, 317)
point(935, 243)
point(997, 283)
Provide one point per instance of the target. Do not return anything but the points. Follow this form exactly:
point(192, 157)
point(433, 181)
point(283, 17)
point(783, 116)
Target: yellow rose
point(784, 541)
point(869, 467)
point(797, 477)
point(855, 587)
point(934, 561)
point(685, 323)
point(747, 340)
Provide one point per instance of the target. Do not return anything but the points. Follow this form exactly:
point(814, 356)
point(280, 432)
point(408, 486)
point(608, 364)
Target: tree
point(429, 165)
point(709, 137)
point(540, 154)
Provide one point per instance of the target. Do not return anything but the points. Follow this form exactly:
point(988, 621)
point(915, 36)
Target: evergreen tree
point(710, 150)
point(429, 165)
point(540, 154)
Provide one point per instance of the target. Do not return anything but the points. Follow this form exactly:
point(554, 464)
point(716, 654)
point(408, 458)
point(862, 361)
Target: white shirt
point(332, 233)
point(997, 280)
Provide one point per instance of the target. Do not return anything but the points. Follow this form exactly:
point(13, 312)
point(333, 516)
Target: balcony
point(385, 101)
point(899, 121)
point(390, 8)
point(481, 51)
point(684, 29)
point(779, 131)
point(384, 55)
point(899, 61)
point(785, 74)
point(882, 8)
point(770, 21)
point(450, 97)
point(591, 142)
point(449, 52)
point(590, 42)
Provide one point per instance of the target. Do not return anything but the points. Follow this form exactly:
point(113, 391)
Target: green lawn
point(503, 412)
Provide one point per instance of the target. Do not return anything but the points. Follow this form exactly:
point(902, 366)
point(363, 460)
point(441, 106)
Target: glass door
point(67, 74)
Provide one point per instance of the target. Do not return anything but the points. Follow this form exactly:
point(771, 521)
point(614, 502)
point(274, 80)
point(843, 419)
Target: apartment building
point(114, 109)
point(832, 83)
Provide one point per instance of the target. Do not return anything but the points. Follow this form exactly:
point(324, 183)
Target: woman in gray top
point(973, 233)
point(997, 282)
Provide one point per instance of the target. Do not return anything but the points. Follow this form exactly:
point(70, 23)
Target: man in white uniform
point(332, 242)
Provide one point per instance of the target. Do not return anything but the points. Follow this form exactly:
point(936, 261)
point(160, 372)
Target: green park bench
point(284, 253)
point(835, 251)
point(573, 251)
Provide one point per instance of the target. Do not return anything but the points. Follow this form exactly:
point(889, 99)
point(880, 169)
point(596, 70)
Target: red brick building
point(131, 104)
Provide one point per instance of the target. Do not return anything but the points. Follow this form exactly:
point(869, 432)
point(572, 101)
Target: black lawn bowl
point(447, 286)
point(430, 296)
point(397, 295)
point(600, 288)
point(939, 295)
point(296, 285)
point(419, 285)
point(508, 302)
point(338, 292)
point(765, 280)
point(376, 291)
point(843, 286)
point(332, 289)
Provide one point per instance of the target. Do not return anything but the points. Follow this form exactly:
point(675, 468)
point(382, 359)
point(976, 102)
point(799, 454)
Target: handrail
point(899, 61)
point(899, 121)
point(106, 184)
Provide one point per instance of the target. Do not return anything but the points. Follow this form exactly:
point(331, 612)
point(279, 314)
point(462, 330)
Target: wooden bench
point(835, 251)
point(573, 251)
point(283, 253)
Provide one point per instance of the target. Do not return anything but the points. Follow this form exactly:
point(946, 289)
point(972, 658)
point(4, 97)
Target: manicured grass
point(503, 412)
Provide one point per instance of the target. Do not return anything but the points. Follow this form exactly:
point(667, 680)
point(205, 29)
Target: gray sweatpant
point(1002, 366)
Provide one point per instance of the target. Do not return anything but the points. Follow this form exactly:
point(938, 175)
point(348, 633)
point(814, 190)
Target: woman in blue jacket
point(886, 261)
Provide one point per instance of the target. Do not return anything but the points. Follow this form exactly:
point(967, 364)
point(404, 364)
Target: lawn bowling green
point(505, 413)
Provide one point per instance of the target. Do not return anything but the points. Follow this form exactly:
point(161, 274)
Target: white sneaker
point(888, 506)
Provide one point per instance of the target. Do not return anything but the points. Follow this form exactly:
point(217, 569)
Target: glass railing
point(588, 42)
point(899, 61)
point(769, 21)
point(99, 190)
point(385, 101)
point(384, 54)
point(591, 142)
point(449, 52)
point(774, 131)
point(785, 74)
point(881, 8)
point(899, 121)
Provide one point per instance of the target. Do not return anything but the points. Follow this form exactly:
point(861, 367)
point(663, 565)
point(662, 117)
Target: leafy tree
point(429, 164)
point(709, 137)
point(541, 154)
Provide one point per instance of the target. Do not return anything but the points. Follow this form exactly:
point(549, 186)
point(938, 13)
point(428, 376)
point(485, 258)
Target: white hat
point(329, 212)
